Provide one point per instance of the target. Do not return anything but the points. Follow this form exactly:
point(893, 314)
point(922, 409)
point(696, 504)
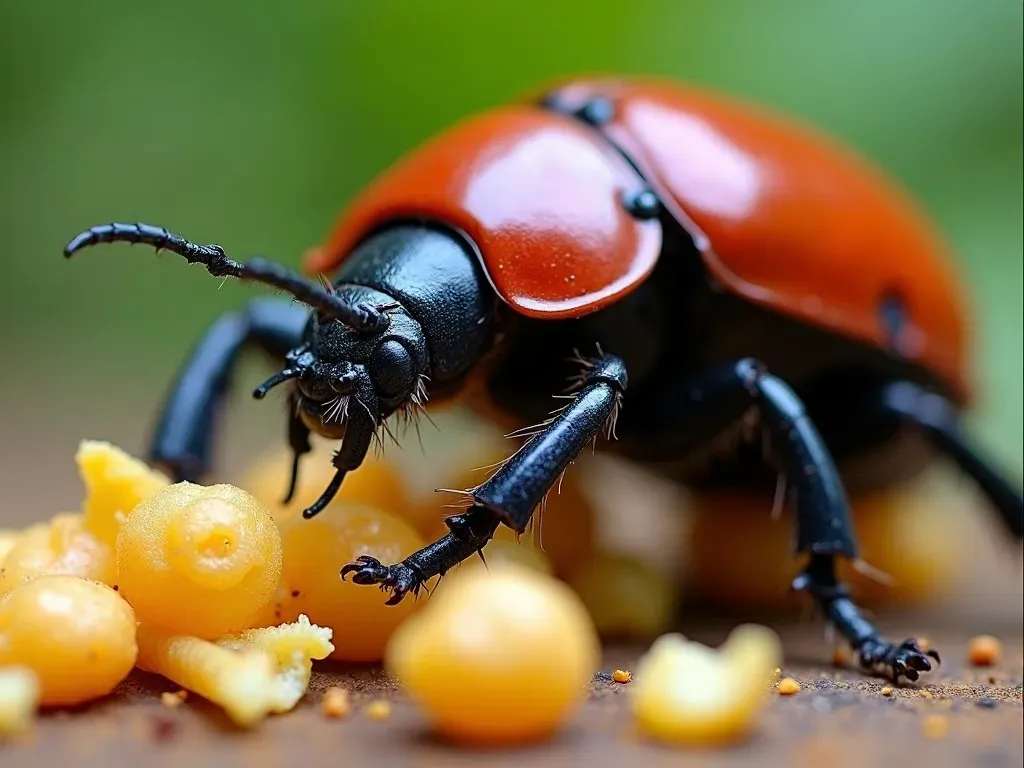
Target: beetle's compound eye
point(392, 369)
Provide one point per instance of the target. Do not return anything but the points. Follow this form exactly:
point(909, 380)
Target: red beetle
point(740, 268)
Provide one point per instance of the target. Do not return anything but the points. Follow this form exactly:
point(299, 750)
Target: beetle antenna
point(362, 317)
point(278, 378)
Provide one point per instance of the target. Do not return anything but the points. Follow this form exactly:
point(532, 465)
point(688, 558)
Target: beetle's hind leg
point(182, 443)
point(940, 422)
point(710, 403)
point(514, 491)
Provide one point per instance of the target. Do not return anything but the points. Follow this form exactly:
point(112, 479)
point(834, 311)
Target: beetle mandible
point(701, 261)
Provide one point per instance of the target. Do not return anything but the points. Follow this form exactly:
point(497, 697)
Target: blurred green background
point(251, 124)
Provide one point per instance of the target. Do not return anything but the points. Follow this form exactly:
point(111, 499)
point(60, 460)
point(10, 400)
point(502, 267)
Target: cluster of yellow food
point(164, 577)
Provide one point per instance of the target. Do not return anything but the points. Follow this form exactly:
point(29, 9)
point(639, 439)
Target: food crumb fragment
point(335, 702)
point(935, 726)
point(886, 691)
point(622, 676)
point(926, 694)
point(172, 700)
point(19, 699)
point(788, 686)
point(378, 710)
point(840, 656)
point(924, 643)
point(984, 650)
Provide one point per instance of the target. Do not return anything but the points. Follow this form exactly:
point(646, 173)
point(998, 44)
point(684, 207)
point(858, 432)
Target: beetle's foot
point(398, 579)
point(895, 661)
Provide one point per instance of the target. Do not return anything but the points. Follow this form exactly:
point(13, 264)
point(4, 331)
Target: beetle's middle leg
point(515, 490)
point(713, 400)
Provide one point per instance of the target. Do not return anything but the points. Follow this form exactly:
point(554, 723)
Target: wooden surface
point(838, 719)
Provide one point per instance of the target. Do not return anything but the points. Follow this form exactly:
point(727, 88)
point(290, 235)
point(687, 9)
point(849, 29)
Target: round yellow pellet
point(78, 637)
point(314, 553)
point(984, 650)
point(199, 561)
point(498, 656)
point(621, 676)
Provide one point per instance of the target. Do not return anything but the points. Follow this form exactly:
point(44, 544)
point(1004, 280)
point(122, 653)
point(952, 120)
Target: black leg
point(718, 398)
point(183, 441)
point(512, 493)
point(939, 420)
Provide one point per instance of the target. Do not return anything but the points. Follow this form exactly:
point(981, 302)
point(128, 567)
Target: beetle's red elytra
point(783, 216)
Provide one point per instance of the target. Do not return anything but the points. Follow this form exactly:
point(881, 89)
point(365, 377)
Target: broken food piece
point(686, 693)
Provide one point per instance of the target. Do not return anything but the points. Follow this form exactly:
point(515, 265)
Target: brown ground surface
point(838, 719)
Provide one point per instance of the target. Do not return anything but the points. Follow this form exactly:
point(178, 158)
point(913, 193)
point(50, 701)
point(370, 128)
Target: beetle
point(700, 265)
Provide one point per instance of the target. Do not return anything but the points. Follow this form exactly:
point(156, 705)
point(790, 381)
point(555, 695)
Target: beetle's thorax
point(434, 275)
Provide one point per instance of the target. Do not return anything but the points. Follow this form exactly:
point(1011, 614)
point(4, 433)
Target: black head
point(341, 372)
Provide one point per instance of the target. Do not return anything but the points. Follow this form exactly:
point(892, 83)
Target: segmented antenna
point(361, 317)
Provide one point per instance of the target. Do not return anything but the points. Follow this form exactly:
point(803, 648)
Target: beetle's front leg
point(512, 493)
point(183, 441)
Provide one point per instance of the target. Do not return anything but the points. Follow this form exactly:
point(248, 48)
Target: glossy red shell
point(540, 196)
point(791, 220)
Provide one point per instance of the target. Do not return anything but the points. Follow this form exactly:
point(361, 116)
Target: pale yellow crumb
point(172, 700)
point(378, 710)
point(335, 702)
point(788, 686)
point(19, 699)
point(886, 691)
point(621, 676)
point(935, 726)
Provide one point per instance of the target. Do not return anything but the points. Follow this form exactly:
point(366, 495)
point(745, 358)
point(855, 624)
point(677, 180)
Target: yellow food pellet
point(78, 637)
point(60, 547)
point(935, 726)
point(926, 694)
point(378, 710)
point(687, 693)
point(115, 483)
point(627, 598)
point(335, 702)
point(242, 683)
point(788, 686)
point(886, 691)
point(295, 646)
point(924, 643)
point(621, 676)
point(498, 656)
point(840, 656)
point(199, 561)
point(314, 552)
point(984, 650)
point(19, 698)
point(171, 700)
